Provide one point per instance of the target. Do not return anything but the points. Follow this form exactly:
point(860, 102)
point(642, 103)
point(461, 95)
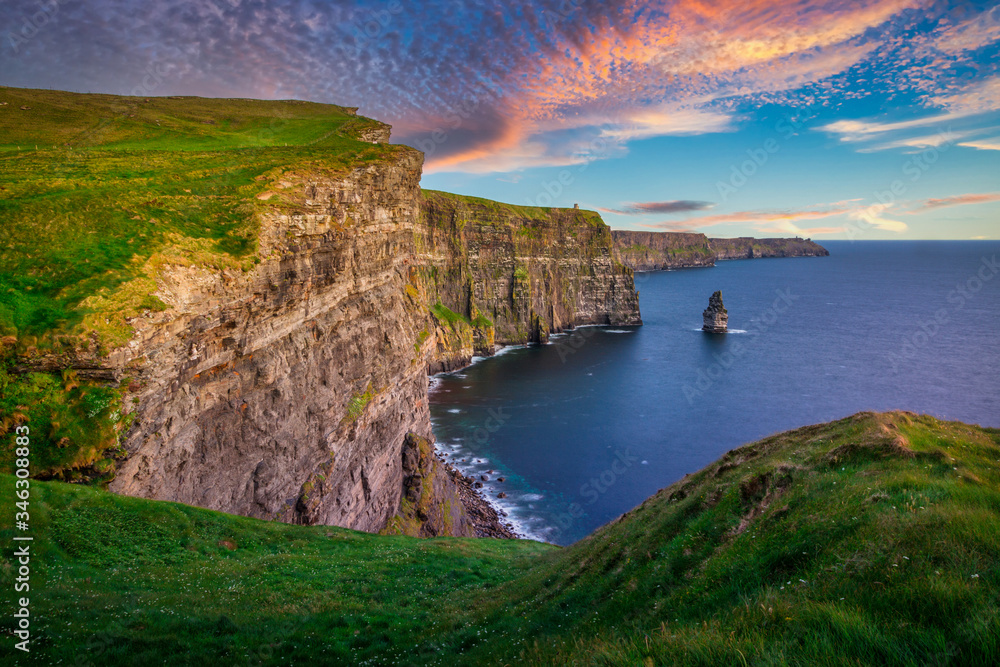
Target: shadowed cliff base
point(872, 540)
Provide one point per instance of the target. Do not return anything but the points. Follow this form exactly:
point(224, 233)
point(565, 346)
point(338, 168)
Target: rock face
point(431, 504)
point(655, 251)
point(286, 392)
point(750, 248)
point(716, 316)
point(292, 385)
point(297, 391)
point(498, 273)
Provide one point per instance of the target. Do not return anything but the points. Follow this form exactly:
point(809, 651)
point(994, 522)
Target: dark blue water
point(589, 426)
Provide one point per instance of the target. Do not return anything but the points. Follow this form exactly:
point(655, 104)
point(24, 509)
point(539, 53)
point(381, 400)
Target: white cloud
point(991, 144)
point(865, 130)
point(665, 122)
point(976, 99)
point(943, 138)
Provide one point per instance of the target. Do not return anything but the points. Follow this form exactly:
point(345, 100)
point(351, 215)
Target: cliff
point(515, 274)
point(244, 320)
point(286, 392)
point(750, 248)
point(654, 251)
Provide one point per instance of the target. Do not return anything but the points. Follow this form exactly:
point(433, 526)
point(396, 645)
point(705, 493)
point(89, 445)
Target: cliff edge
point(507, 274)
point(656, 251)
point(243, 320)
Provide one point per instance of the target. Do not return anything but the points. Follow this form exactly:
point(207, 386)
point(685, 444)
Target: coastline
point(487, 518)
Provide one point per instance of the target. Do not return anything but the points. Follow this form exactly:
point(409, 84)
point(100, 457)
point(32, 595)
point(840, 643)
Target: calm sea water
point(587, 427)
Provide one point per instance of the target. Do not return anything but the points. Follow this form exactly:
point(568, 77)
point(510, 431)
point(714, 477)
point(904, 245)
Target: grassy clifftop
point(487, 210)
point(98, 194)
point(871, 540)
point(98, 191)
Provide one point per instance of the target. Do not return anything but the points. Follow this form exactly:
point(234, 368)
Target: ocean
point(588, 426)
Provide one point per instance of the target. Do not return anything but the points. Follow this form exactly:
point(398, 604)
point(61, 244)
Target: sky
point(827, 119)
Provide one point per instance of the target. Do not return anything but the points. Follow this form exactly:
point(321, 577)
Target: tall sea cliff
point(654, 251)
point(273, 361)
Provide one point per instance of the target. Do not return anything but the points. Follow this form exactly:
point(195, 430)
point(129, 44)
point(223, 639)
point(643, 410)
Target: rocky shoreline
point(487, 520)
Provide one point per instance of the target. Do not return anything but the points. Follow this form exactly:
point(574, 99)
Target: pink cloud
point(957, 200)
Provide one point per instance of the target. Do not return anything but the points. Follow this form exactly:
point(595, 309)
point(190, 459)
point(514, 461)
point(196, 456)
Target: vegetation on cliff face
point(747, 247)
point(873, 540)
point(98, 194)
point(518, 273)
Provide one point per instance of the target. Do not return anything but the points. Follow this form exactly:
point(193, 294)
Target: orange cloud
point(778, 222)
point(958, 200)
point(641, 71)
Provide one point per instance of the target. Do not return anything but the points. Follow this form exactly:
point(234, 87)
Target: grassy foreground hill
point(871, 540)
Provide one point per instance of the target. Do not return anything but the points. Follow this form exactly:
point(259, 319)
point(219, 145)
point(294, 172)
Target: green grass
point(98, 192)
point(356, 406)
point(119, 580)
point(503, 210)
point(99, 195)
point(75, 424)
point(874, 540)
point(448, 316)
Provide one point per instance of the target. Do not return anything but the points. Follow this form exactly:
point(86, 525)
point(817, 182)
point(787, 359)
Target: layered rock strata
point(655, 251)
point(747, 247)
point(502, 274)
point(716, 317)
point(286, 392)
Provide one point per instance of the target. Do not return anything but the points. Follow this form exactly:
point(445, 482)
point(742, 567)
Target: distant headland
point(655, 251)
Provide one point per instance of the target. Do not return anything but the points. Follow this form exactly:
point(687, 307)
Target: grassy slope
point(872, 540)
point(97, 190)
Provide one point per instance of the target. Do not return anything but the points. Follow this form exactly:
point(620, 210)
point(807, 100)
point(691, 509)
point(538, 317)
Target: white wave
point(619, 331)
point(732, 331)
point(454, 411)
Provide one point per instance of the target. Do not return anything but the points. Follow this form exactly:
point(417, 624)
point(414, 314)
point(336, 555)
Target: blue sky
point(821, 118)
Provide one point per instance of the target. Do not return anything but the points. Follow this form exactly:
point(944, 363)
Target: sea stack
point(716, 316)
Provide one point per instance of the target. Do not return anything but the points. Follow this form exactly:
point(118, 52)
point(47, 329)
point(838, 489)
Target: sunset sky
point(821, 118)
